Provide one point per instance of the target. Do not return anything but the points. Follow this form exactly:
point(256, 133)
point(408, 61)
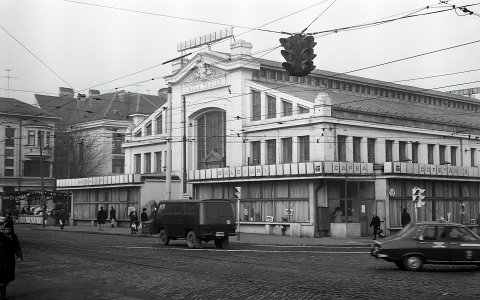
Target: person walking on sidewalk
point(101, 218)
point(376, 226)
point(143, 217)
point(9, 248)
point(405, 217)
point(62, 218)
point(113, 217)
point(133, 222)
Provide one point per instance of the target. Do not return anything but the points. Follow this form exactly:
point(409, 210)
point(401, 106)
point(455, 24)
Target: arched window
point(210, 138)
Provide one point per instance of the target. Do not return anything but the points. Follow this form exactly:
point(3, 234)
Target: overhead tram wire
point(306, 28)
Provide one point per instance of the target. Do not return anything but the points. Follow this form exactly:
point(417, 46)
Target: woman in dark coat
point(9, 248)
point(133, 222)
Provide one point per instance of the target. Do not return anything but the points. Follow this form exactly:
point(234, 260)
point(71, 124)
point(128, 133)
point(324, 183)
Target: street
point(70, 265)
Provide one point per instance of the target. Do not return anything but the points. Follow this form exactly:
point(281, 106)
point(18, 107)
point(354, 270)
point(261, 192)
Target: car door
point(432, 243)
point(464, 246)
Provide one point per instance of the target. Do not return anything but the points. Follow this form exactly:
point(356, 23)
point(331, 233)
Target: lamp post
point(42, 197)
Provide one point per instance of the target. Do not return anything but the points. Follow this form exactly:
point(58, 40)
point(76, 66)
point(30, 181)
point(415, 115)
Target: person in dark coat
point(9, 222)
point(133, 222)
point(113, 217)
point(405, 217)
point(9, 248)
point(376, 226)
point(62, 218)
point(101, 218)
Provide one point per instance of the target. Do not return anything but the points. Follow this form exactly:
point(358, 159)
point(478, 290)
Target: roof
point(375, 105)
point(110, 106)
point(11, 106)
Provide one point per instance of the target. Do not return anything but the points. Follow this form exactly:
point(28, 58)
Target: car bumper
point(375, 251)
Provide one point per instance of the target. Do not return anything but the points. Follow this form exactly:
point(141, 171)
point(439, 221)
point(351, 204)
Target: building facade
point(299, 148)
point(27, 155)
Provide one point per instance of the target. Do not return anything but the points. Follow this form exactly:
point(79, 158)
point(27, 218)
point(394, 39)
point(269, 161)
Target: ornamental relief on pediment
point(203, 71)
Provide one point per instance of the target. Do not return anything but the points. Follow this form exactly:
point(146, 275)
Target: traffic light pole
point(238, 219)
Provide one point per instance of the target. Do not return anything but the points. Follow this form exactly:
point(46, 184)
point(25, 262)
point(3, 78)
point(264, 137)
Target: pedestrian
point(376, 226)
point(113, 216)
point(337, 215)
point(45, 215)
point(62, 218)
point(9, 248)
point(101, 218)
point(133, 222)
point(23, 211)
point(405, 217)
point(143, 217)
point(55, 217)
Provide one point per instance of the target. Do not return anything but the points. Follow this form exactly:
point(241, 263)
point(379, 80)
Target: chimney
point(66, 92)
point(241, 50)
point(138, 118)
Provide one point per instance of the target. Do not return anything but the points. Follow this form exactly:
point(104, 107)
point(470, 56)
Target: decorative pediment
point(203, 71)
point(213, 156)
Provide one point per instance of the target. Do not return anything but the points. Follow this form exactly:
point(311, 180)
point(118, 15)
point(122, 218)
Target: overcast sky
point(83, 44)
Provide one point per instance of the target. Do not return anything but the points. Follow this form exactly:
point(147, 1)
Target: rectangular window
point(415, 153)
point(148, 162)
point(388, 150)
point(160, 124)
point(356, 149)
point(148, 129)
point(453, 156)
point(138, 163)
point(371, 150)
point(402, 151)
point(9, 153)
point(137, 134)
point(441, 154)
point(303, 110)
point(8, 172)
point(271, 107)
point(117, 141)
point(40, 136)
point(430, 148)
point(473, 157)
point(271, 152)
point(256, 106)
point(9, 162)
point(47, 141)
point(303, 148)
point(287, 150)
point(342, 148)
point(255, 153)
point(158, 162)
point(287, 108)
point(10, 137)
point(31, 138)
point(118, 166)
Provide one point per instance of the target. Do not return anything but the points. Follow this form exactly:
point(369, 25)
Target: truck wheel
point(222, 244)
point(163, 237)
point(192, 241)
point(413, 263)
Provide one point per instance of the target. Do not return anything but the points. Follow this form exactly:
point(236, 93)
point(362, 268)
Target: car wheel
point(192, 241)
point(163, 237)
point(222, 244)
point(413, 263)
point(400, 265)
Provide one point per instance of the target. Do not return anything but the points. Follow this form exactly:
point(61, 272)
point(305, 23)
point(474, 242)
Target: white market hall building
point(301, 147)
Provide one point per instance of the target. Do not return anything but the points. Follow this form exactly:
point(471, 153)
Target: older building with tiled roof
point(26, 154)
point(301, 147)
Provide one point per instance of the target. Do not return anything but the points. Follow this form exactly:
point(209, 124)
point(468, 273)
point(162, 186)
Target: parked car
point(197, 221)
point(430, 243)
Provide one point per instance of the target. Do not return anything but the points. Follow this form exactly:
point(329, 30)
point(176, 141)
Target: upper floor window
point(402, 151)
point(31, 138)
point(430, 149)
point(148, 129)
point(388, 150)
point(148, 162)
point(158, 162)
point(47, 140)
point(137, 134)
point(41, 135)
point(271, 153)
point(415, 153)
point(210, 139)
point(287, 108)
point(117, 140)
point(342, 148)
point(159, 124)
point(441, 154)
point(453, 155)
point(271, 107)
point(255, 153)
point(304, 148)
point(287, 150)
point(473, 157)
point(10, 137)
point(303, 110)
point(371, 150)
point(256, 106)
point(138, 163)
point(118, 165)
point(356, 149)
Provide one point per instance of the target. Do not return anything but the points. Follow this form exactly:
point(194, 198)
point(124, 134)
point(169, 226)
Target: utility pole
point(184, 141)
point(168, 181)
point(42, 197)
point(8, 81)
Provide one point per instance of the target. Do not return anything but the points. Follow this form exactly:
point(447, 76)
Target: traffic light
point(418, 195)
point(238, 192)
point(298, 54)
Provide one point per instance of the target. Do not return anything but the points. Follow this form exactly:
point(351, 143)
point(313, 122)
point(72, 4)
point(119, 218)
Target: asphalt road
point(70, 265)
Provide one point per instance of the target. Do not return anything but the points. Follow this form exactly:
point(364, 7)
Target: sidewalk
point(245, 238)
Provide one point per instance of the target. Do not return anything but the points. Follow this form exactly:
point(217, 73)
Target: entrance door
point(366, 211)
